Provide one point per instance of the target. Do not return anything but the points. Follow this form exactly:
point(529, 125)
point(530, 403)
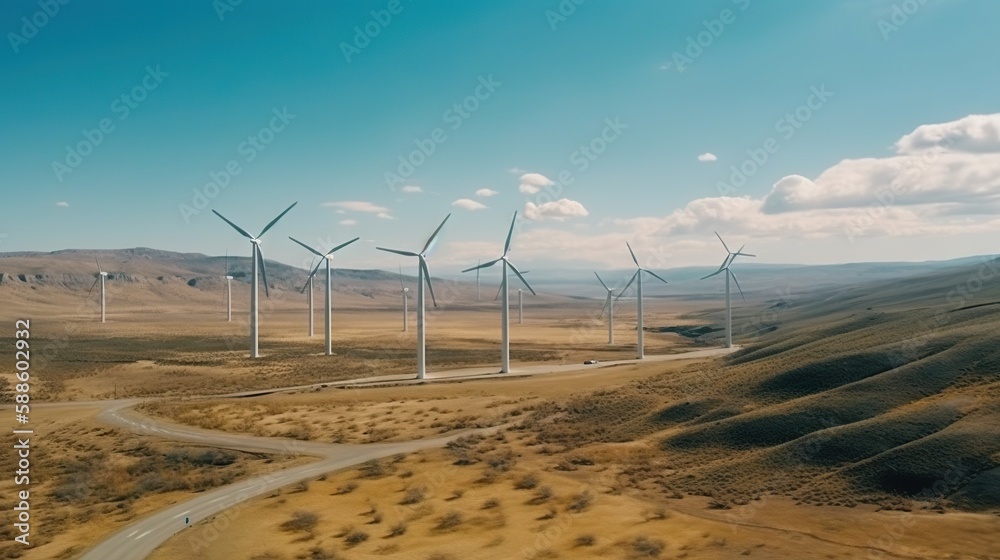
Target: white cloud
point(412, 189)
point(707, 157)
point(974, 134)
point(468, 204)
point(63, 204)
point(357, 206)
point(531, 183)
point(385, 216)
point(516, 170)
point(558, 210)
point(485, 192)
point(348, 222)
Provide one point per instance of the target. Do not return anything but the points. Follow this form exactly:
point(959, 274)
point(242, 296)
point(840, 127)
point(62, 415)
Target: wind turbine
point(724, 267)
point(477, 279)
point(406, 301)
point(423, 275)
point(101, 275)
point(229, 290)
point(309, 300)
point(638, 275)
point(257, 260)
point(609, 304)
point(328, 258)
point(505, 305)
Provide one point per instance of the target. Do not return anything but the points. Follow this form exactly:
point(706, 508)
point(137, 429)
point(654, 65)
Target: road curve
point(139, 539)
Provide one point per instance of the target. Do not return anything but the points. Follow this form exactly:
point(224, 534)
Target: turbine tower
point(327, 315)
point(638, 276)
point(257, 261)
point(229, 290)
point(505, 304)
point(477, 279)
point(724, 267)
point(609, 304)
point(423, 275)
point(101, 275)
point(520, 306)
point(406, 301)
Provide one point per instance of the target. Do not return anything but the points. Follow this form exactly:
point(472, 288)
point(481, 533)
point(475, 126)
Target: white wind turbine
point(609, 304)
point(406, 301)
point(505, 304)
point(638, 276)
point(229, 290)
point(101, 275)
point(257, 260)
point(309, 300)
point(730, 257)
point(423, 274)
point(328, 258)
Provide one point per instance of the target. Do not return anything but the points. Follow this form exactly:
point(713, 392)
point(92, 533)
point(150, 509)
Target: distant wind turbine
point(101, 275)
point(406, 301)
point(327, 313)
point(257, 260)
point(724, 267)
point(609, 304)
point(638, 276)
point(505, 304)
point(229, 290)
point(423, 274)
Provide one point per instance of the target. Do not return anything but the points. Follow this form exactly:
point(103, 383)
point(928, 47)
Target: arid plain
point(860, 421)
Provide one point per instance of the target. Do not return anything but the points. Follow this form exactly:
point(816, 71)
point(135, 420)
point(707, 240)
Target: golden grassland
point(842, 430)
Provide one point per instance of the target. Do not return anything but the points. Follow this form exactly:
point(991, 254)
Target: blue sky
point(305, 109)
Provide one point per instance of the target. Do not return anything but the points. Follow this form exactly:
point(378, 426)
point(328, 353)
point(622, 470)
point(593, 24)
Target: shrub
point(585, 540)
point(354, 538)
point(301, 521)
point(580, 501)
point(491, 503)
point(526, 482)
point(397, 530)
point(645, 546)
point(413, 495)
point(449, 521)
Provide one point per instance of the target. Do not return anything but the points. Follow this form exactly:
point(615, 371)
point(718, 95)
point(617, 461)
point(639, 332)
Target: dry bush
point(580, 502)
point(645, 546)
point(542, 495)
point(347, 488)
point(526, 482)
point(374, 469)
point(448, 521)
point(301, 521)
point(585, 540)
point(491, 503)
point(413, 495)
point(397, 530)
point(354, 538)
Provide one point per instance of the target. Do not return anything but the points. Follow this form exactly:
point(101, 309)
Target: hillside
point(886, 392)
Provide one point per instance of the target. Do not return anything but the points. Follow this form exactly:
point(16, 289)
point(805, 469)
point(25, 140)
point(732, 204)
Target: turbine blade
point(433, 235)
point(341, 246)
point(731, 273)
point(631, 252)
point(99, 269)
point(92, 285)
point(487, 265)
point(308, 248)
point(516, 271)
point(601, 281)
point(654, 275)
point(263, 270)
point(745, 254)
point(401, 286)
point(242, 231)
point(274, 221)
point(510, 232)
point(499, 290)
point(601, 316)
point(427, 277)
point(227, 262)
point(311, 274)
point(723, 242)
point(714, 273)
point(404, 253)
point(625, 289)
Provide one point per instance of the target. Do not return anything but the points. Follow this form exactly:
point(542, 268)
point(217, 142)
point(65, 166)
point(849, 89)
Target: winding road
point(139, 539)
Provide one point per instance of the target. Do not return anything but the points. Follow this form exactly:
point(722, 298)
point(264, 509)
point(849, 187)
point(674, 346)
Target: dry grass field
point(856, 422)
